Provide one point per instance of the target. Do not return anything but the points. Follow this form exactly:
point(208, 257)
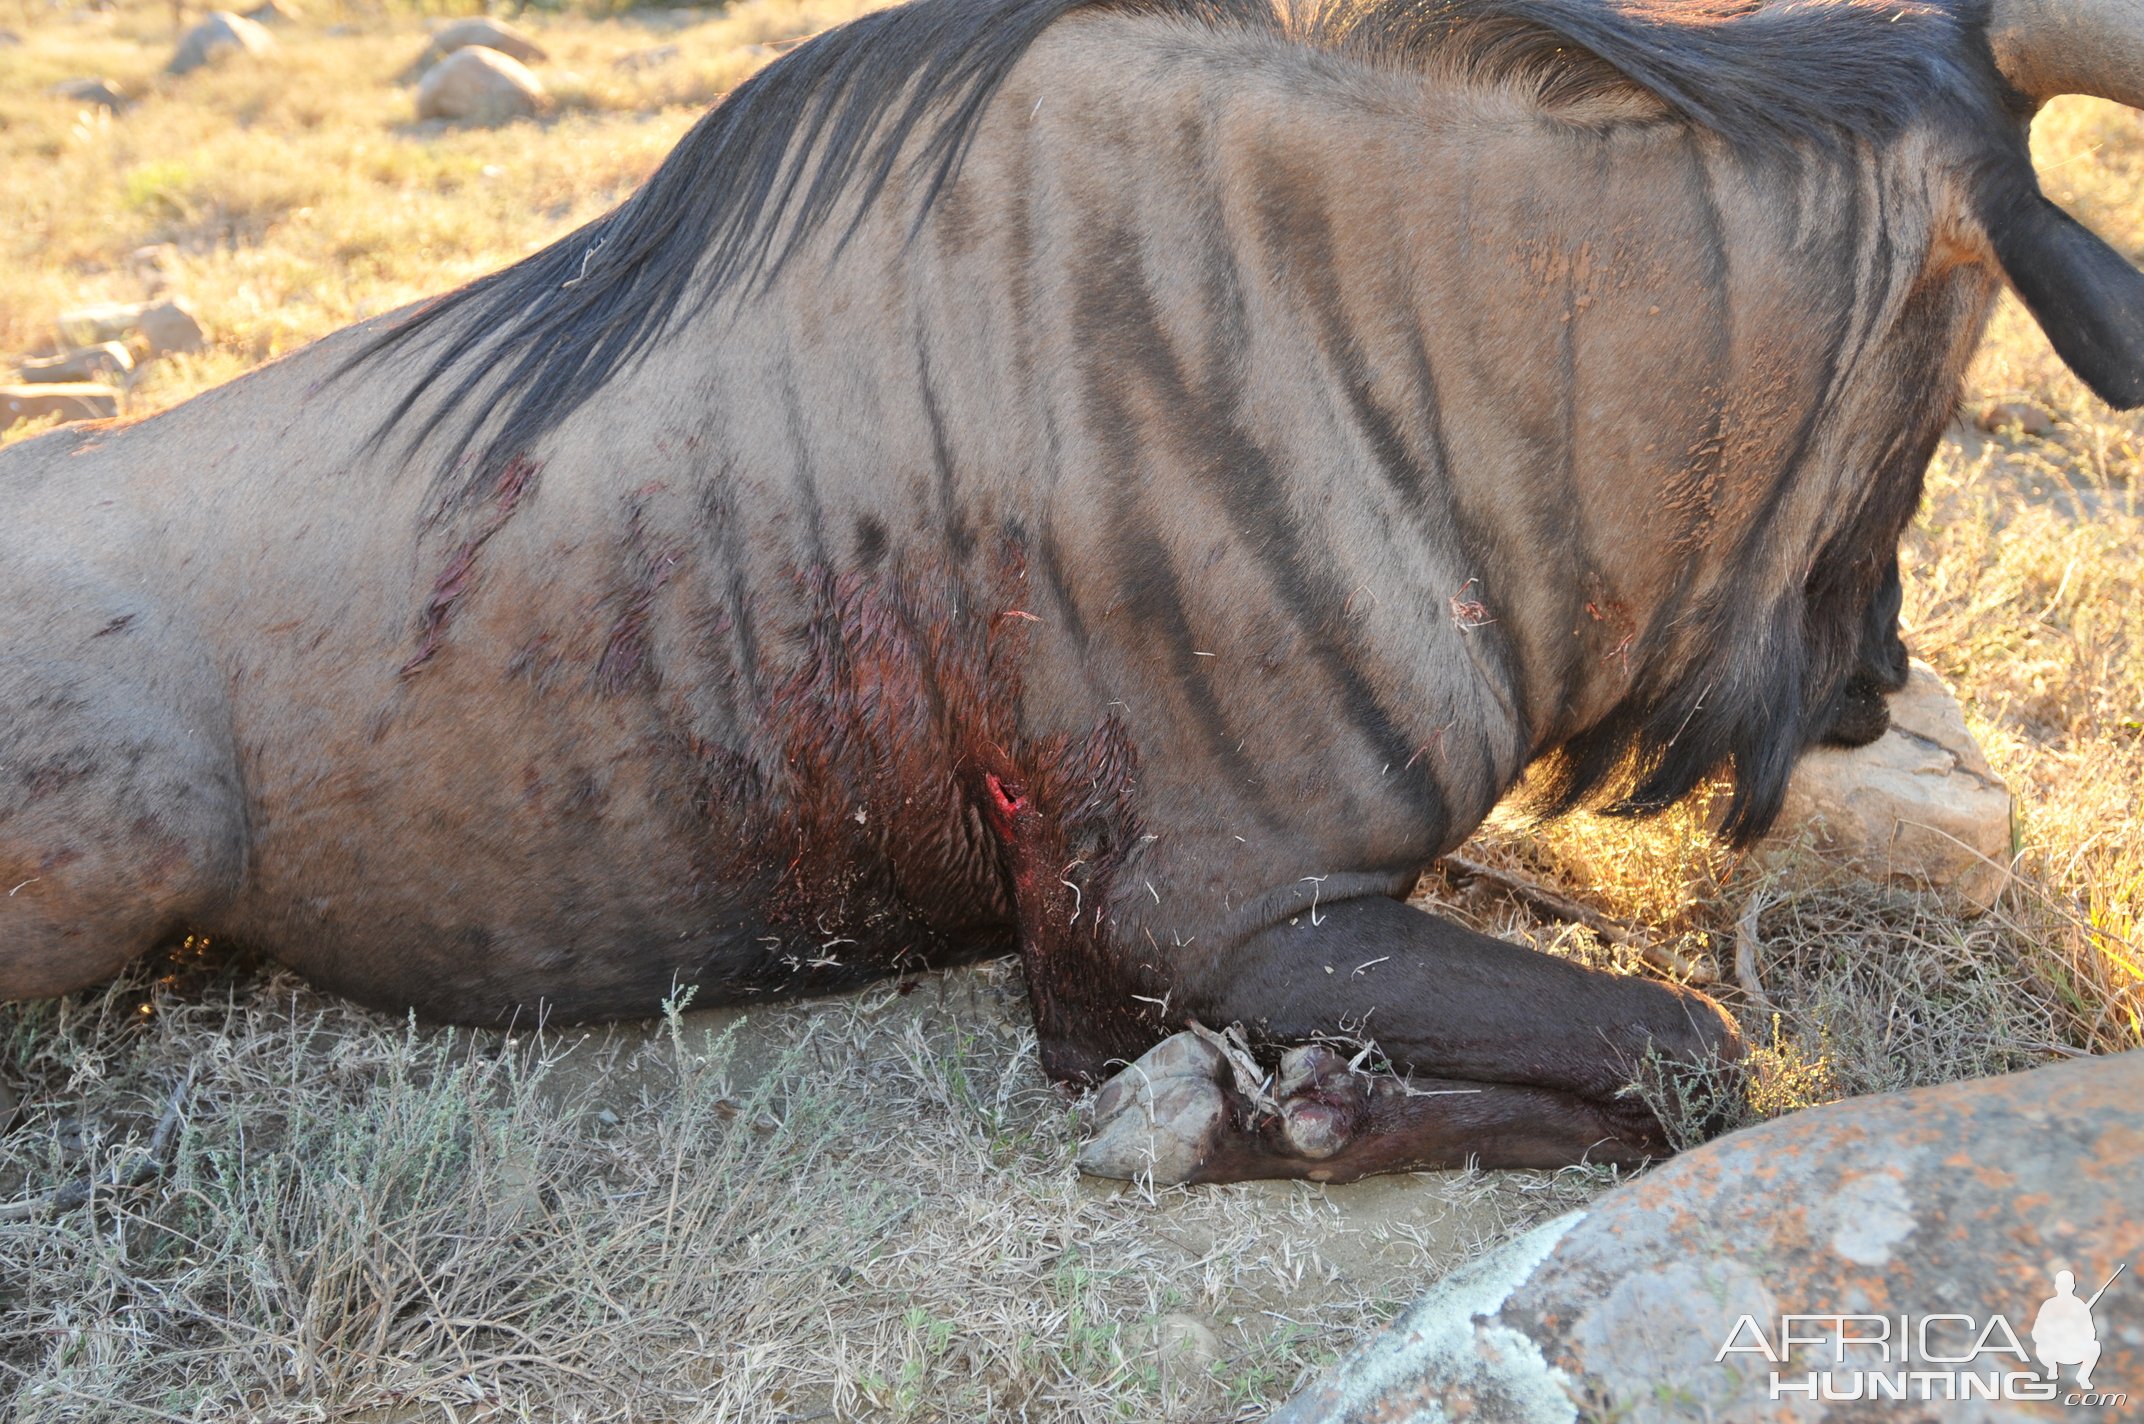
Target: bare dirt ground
point(224, 1196)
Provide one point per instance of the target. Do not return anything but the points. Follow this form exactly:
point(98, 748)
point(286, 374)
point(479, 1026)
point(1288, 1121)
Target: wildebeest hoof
point(1161, 1118)
point(1186, 1113)
point(1322, 1102)
point(1863, 715)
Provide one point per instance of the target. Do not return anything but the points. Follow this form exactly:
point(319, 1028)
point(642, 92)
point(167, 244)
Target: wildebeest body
point(1150, 560)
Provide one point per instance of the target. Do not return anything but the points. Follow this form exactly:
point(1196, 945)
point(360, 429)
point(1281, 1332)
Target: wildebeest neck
point(1658, 412)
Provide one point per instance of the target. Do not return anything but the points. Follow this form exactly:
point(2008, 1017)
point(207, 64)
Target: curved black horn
point(2083, 293)
point(2050, 47)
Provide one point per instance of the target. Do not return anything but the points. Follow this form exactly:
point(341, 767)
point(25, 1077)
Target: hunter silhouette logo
point(2063, 1333)
point(1941, 1355)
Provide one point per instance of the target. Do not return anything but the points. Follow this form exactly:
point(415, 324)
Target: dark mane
point(1763, 76)
point(821, 129)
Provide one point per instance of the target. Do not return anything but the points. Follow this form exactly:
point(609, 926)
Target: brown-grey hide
point(1129, 484)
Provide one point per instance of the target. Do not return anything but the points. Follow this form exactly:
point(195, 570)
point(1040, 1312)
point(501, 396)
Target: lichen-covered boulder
point(1943, 1253)
point(1919, 806)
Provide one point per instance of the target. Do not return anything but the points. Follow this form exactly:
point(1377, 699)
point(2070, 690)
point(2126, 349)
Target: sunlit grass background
point(867, 1209)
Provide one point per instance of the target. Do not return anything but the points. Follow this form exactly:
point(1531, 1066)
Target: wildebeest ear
point(2084, 294)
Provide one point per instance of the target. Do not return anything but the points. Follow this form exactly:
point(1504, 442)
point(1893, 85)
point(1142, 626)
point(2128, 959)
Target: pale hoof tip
point(1159, 1119)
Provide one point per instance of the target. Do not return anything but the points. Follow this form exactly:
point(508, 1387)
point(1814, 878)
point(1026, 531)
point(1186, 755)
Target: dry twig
point(1746, 947)
point(1562, 907)
point(144, 1165)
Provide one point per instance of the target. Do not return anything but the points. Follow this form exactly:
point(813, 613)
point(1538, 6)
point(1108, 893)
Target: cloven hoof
point(1161, 1117)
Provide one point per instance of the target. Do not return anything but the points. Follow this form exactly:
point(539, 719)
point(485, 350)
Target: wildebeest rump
point(1130, 483)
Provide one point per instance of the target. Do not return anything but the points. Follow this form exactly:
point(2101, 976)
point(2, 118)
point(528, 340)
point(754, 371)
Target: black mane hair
point(823, 128)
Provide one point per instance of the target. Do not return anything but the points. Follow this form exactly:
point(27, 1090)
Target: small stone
point(9, 39)
point(83, 400)
point(520, 1186)
point(101, 322)
point(479, 86)
point(1919, 806)
point(91, 93)
point(645, 59)
point(480, 32)
point(221, 36)
point(106, 361)
point(164, 327)
point(2018, 415)
point(157, 265)
point(170, 327)
point(1188, 1352)
point(275, 12)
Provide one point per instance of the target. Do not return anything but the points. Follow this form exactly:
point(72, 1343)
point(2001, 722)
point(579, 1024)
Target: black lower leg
point(1366, 1126)
point(1190, 1110)
point(1439, 1000)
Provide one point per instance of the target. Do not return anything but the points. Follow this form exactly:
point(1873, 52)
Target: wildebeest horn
point(2086, 296)
point(2050, 47)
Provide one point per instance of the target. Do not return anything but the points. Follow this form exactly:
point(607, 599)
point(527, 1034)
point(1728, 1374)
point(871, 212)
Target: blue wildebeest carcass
point(1129, 483)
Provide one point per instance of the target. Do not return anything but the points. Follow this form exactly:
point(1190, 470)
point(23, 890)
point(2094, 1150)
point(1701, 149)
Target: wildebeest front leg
point(1185, 1113)
point(1509, 1057)
point(1858, 713)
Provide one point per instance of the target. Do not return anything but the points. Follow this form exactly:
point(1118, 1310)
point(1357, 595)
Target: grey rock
point(223, 35)
point(106, 361)
point(170, 327)
point(99, 322)
point(164, 327)
point(479, 86)
point(275, 12)
point(1919, 806)
point(83, 400)
point(481, 32)
point(92, 93)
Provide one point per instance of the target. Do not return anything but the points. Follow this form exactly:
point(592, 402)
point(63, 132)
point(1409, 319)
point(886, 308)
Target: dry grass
point(300, 194)
point(866, 1209)
point(858, 1210)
